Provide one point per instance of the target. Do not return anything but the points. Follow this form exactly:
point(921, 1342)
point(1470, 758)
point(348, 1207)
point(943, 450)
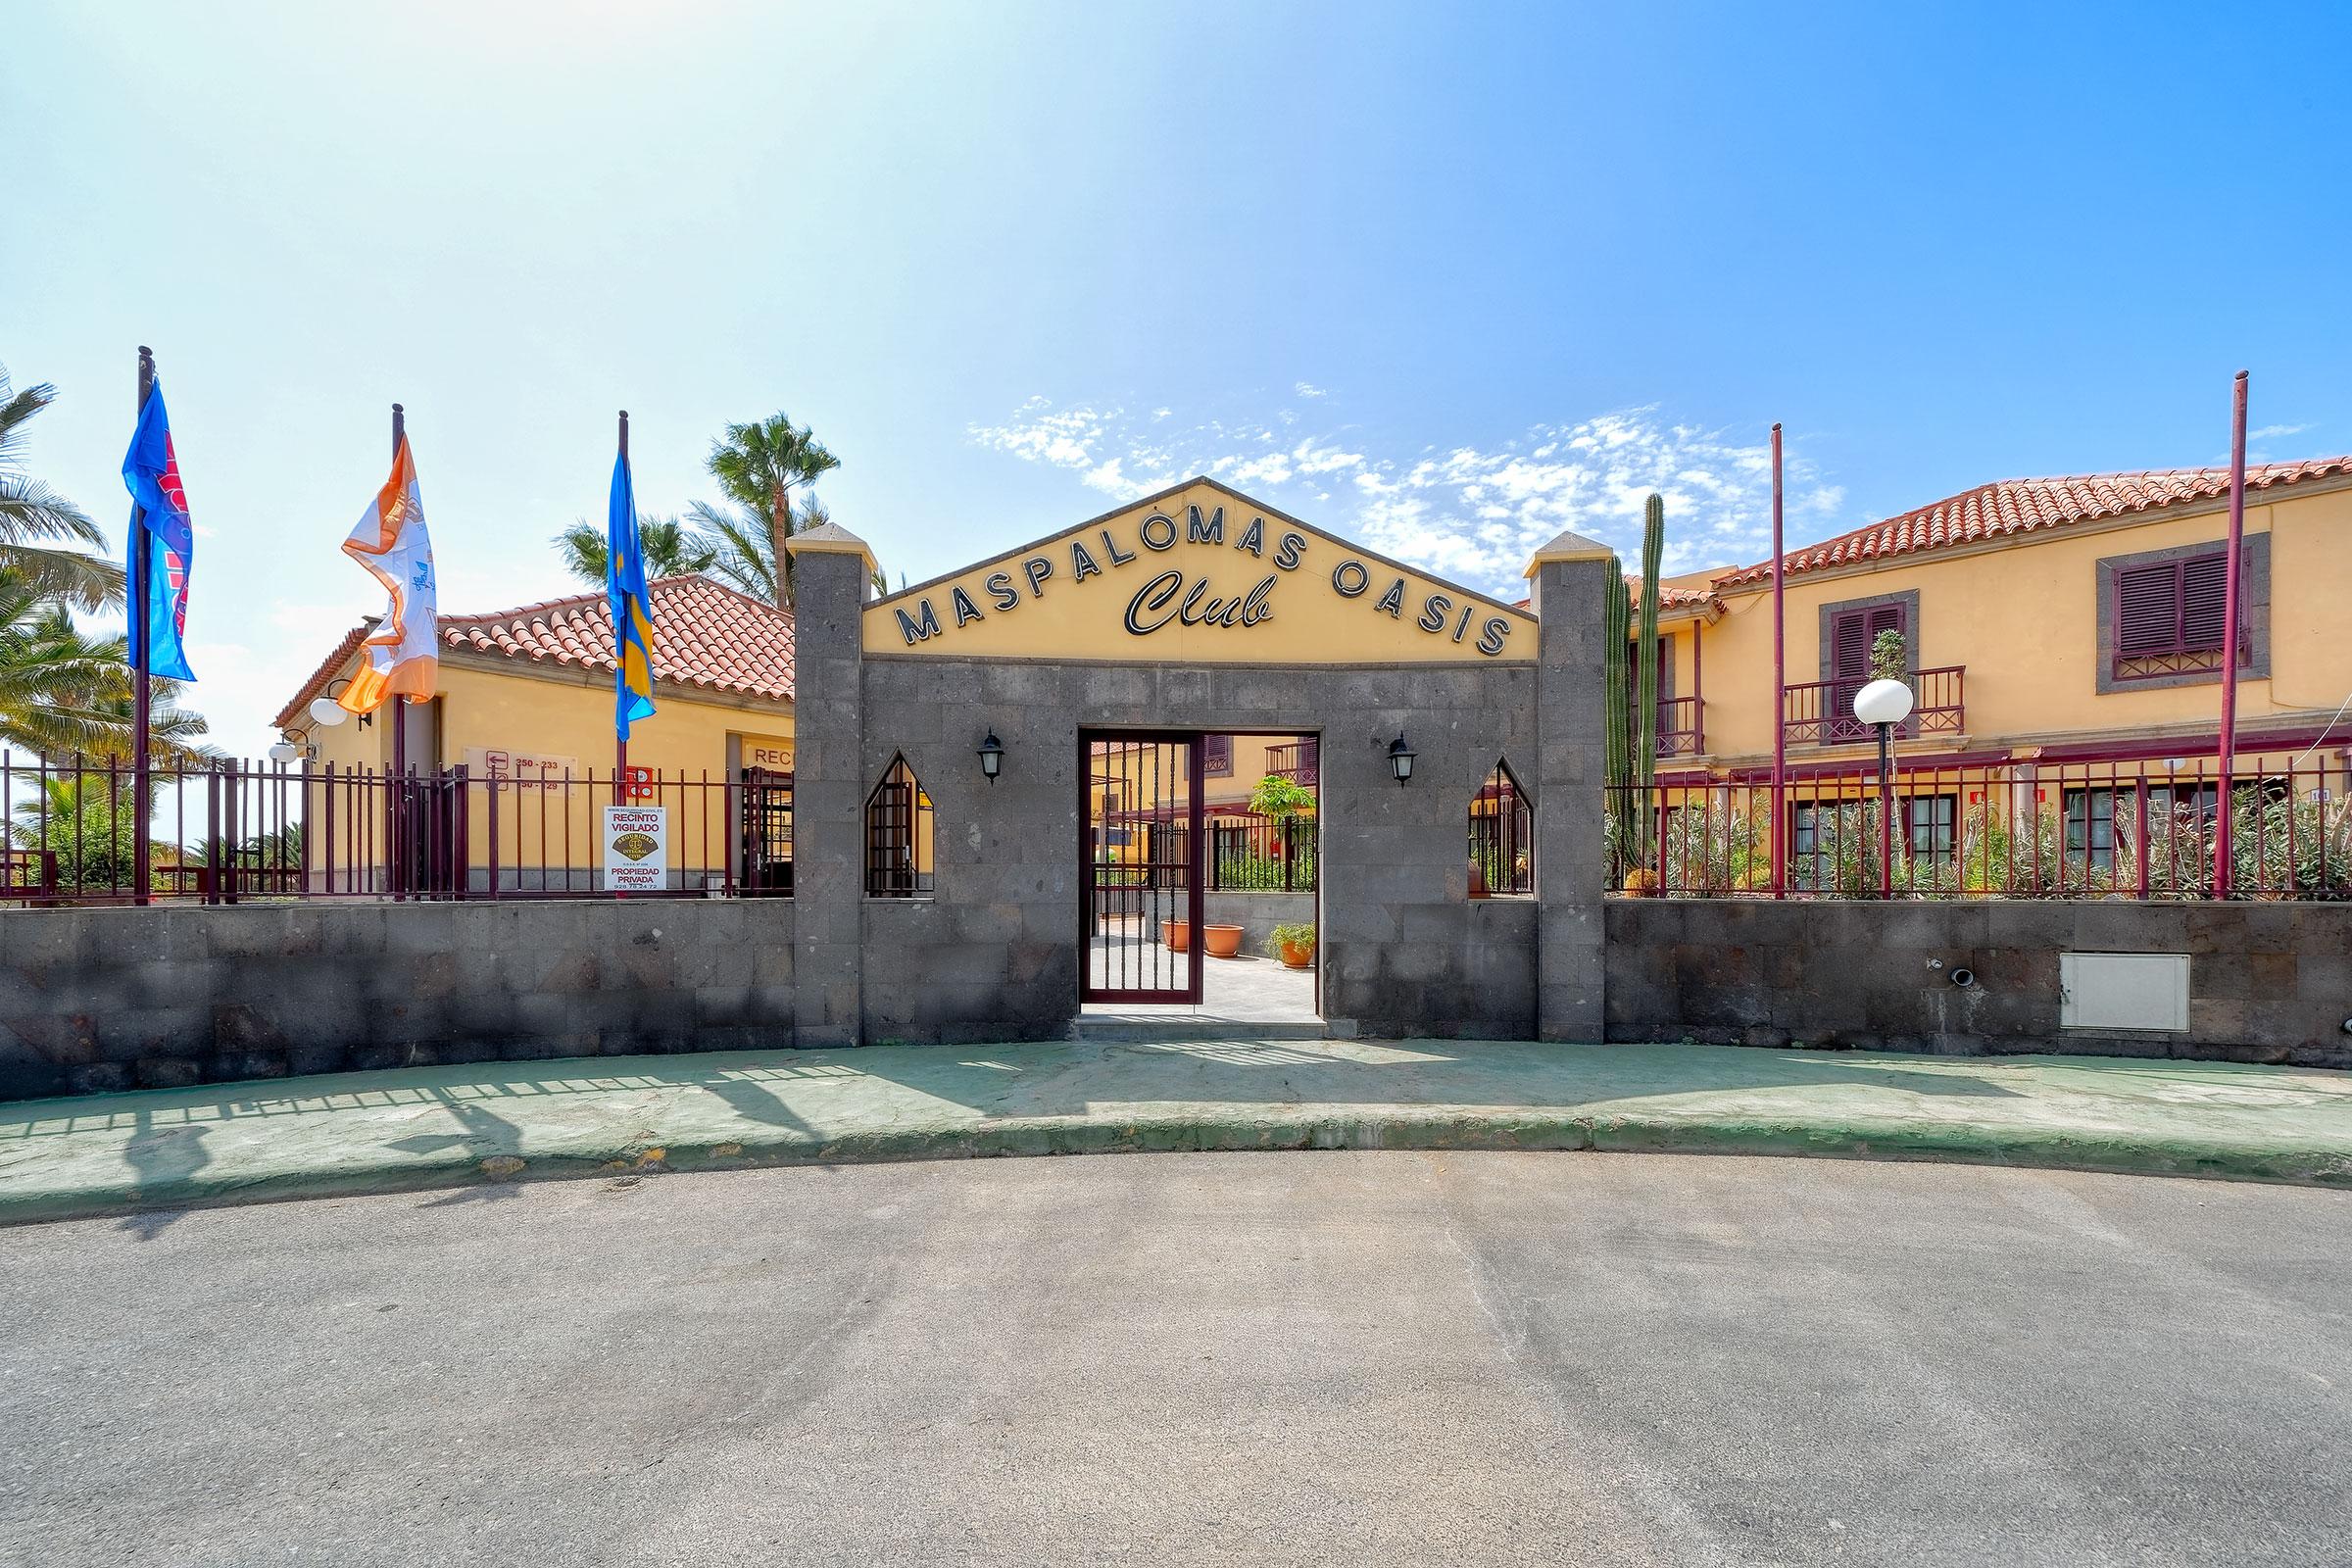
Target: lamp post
point(1883, 704)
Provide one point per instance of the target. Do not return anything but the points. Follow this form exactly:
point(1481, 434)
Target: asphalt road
point(1350, 1357)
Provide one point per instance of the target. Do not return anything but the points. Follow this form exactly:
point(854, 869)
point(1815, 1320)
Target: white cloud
point(1307, 389)
point(1473, 512)
point(2273, 432)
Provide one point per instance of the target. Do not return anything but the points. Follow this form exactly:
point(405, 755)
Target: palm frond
point(742, 553)
point(88, 582)
point(30, 510)
point(581, 548)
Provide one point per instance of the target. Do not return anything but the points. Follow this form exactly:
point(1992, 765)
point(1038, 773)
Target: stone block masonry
point(114, 999)
point(2268, 982)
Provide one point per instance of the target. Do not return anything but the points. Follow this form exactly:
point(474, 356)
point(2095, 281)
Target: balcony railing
point(1821, 713)
point(1682, 727)
point(1299, 761)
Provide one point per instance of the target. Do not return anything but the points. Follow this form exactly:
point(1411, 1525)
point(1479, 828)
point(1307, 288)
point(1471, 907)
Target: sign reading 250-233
point(1158, 595)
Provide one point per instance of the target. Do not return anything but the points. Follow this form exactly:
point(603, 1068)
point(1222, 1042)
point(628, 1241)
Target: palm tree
point(669, 551)
point(32, 516)
point(758, 467)
point(64, 691)
point(746, 547)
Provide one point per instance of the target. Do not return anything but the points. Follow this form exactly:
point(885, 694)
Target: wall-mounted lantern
point(991, 757)
point(326, 713)
point(1400, 759)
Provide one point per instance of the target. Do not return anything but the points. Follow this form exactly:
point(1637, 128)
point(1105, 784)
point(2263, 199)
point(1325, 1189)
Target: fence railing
point(234, 831)
point(1255, 855)
point(1681, 727)
point(2131, 830)
point(1245, 854)
point(1821, 713)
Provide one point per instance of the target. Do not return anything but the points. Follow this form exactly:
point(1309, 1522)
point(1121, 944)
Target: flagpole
point(2223, 868)
point(142, 573)
point(1780, 694)
point(400, 725)
point(620, 743)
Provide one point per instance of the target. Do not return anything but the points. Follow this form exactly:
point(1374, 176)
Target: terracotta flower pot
point(1295, 957)
point(1222, 941)
point(1176, 936)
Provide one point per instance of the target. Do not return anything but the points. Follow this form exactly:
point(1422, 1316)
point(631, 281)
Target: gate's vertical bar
point(1196, 850)
point(490, 788)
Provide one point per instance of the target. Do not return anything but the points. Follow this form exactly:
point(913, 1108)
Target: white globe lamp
point(327, 712)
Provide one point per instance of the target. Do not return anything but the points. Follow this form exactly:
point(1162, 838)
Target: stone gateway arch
point(1195, 611)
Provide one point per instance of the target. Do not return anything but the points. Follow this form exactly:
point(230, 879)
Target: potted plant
point(1221, 941)
point(1294, 945)
point(1176, 935)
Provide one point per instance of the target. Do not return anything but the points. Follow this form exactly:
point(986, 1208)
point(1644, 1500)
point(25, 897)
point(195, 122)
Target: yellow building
point(525, 709)
point(2073, 620)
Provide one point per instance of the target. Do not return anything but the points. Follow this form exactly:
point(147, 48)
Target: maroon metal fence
point(231, 831)
point(2120, 829)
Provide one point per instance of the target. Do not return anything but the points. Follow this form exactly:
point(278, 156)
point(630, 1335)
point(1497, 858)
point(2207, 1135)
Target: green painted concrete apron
point(446, 1126)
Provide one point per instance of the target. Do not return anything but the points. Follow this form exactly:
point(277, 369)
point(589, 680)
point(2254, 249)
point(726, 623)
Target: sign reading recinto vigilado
point(1200, 577)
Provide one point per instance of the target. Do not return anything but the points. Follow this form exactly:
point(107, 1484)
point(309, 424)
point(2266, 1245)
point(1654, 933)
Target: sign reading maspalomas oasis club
point(1198, 574)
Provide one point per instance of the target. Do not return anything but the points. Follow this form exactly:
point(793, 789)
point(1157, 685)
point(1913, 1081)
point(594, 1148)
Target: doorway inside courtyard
point(1200, 878)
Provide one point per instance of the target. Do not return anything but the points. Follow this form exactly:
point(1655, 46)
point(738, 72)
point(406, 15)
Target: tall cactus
point(1646, 666)
point(1616, 727)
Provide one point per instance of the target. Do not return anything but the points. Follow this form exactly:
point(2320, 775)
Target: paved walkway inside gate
point(1246, 993)
point(476, 1129)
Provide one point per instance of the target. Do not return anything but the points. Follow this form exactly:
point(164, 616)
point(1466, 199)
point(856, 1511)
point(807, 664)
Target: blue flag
point(151, 472)
point(632, 614)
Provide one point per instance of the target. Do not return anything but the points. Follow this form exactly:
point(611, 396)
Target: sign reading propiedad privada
point(636, 841)
point(1198, 574)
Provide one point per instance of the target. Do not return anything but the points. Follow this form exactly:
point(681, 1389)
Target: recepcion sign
point(636, 841)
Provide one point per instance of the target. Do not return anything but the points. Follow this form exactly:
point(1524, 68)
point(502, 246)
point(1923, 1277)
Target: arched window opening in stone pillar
point(898, 835)
point(1502, 837)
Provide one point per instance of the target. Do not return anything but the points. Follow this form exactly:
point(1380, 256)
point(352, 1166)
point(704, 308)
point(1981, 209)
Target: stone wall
point(1258, 914)
point(2268, 982)
point(141, 999)
point(1404, 950)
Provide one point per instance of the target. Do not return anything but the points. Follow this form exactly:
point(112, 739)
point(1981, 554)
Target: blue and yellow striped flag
point(633, 613)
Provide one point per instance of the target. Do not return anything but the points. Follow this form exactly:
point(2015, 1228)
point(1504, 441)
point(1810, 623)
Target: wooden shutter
point(2147, 610)
point(2204, 601)
point(1849, 645)
point(1855, 632)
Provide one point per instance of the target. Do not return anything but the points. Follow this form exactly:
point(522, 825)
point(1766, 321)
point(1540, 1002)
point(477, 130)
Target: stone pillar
point(1569, 576)
point(830, 566)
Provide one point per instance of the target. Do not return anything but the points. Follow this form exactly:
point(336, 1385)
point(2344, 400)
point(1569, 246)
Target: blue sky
point(1445, 281)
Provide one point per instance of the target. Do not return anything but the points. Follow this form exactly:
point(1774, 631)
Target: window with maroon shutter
point(1852, 635)
point(2204, 601)
point(2170, 615)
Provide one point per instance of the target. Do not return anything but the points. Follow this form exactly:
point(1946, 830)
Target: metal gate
point(1140, 818)
point(766, 858)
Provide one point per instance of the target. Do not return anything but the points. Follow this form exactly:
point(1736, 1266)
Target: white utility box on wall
point(2123, 991)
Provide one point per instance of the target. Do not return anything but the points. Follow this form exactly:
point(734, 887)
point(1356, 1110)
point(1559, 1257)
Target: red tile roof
point(1669, 596)
point(2015, 507)
point(705, 634)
